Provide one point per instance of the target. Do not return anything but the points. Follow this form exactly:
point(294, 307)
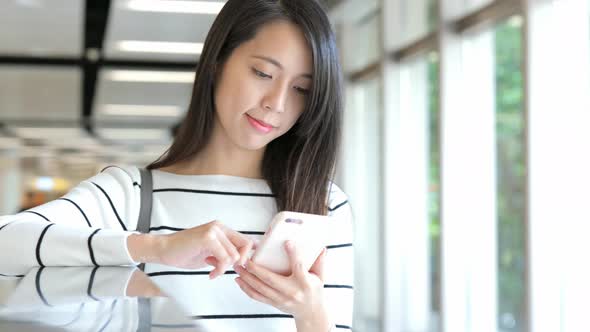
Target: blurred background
point(466, 139)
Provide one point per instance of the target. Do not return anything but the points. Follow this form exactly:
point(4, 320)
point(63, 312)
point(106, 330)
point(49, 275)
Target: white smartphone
point(307, 231)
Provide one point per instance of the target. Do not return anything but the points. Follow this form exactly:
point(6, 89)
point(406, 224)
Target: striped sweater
point(90, 225)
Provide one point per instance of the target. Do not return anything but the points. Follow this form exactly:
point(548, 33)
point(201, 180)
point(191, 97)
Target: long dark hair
point(299, 165)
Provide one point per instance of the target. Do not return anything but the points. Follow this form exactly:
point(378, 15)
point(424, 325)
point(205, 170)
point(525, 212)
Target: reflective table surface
point(122, 299)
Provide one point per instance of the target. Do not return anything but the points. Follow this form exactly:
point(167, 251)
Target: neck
point(221, 156)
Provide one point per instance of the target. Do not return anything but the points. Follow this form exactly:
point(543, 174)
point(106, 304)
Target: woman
point(261, 136)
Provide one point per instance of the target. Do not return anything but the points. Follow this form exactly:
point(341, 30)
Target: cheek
point(297, 105)
point(290, 120)
point(233, 98)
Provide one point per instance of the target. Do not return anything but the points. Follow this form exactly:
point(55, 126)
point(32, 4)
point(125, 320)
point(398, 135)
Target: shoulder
point(339, 210)
point(337, 198)
point(124, 173)
point(117, 178)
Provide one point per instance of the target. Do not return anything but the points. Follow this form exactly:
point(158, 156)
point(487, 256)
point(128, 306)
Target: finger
point(261, 287)
point(296, 265)
point(251, 292)
point(318, 266)
point(273, 280)
point(245, 254)
point(211, 261)
point(255, 244)
point(220, 254)
point(238, 239)
point(229, 247)
point(243, 243)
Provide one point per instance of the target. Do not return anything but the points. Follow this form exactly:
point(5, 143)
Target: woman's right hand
point(209, 244)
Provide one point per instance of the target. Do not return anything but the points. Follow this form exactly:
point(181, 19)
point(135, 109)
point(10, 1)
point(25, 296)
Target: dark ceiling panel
point(97, 13)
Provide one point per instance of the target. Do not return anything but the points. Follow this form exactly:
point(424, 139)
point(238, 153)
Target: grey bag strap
point(144, 322)
point(144, 314)
point(145, 207)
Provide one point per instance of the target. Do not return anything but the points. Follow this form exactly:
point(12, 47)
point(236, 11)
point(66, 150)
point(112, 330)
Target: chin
point(252, 144)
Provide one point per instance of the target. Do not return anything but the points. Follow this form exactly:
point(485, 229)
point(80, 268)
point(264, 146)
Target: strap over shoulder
point(145, 207)
point(145, 210)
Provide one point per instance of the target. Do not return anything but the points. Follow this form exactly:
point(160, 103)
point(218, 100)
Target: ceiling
point(85, 83)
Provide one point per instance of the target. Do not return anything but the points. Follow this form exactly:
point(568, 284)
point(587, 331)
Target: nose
point(275, 99)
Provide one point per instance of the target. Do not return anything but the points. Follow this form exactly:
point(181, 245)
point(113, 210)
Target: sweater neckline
point(211, 176)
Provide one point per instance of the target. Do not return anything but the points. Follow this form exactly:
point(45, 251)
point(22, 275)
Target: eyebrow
point(276, 63)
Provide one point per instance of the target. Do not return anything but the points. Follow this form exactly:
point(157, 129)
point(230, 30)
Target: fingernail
point(289, 244)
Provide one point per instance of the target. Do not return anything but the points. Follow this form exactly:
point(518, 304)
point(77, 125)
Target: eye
point(302, 91)
point(260, 74)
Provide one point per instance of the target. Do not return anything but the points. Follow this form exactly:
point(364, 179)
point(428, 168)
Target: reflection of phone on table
point(307, 231)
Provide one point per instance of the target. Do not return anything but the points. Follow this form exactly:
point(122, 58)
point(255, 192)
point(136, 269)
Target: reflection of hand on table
point(140, 285)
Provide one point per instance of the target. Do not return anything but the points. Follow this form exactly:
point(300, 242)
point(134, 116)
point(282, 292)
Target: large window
point(485, 123)
point(434, 185)
point(360, 40)
point(362, 183)
point(413, 20)
point(432, 14)
point(360, 169)
point(510, 174)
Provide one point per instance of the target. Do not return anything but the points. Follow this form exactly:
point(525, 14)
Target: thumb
point(256, 244)
point(318, 266)
point(296, 264)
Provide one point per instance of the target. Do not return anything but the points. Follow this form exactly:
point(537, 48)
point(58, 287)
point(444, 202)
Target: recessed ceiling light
point(86, 143)
point(9, 142)
point(49, 132)
point(141, 110)
point(175, 6)
point(30, 3)
point(158, 47)
point(133, 134)
point(150, 76)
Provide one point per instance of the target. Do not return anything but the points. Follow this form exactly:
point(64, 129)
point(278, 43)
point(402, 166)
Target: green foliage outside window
point(510, 176)
point(434, 179)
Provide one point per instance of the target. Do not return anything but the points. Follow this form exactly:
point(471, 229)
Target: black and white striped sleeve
point(93, 297)
point(339, 264)
point(87, 226)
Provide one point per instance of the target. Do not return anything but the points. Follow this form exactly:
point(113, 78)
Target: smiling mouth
point(262, 123)
point(260, 126)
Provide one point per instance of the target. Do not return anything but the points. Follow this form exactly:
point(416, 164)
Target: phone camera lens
point(293, 221)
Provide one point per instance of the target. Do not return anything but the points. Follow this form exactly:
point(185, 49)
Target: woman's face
point(262, 88)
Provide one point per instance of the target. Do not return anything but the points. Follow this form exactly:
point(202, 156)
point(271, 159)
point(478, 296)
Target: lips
point(262, 123)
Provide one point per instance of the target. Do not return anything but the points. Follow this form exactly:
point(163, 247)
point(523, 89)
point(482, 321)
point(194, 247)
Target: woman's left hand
point(300, 294)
